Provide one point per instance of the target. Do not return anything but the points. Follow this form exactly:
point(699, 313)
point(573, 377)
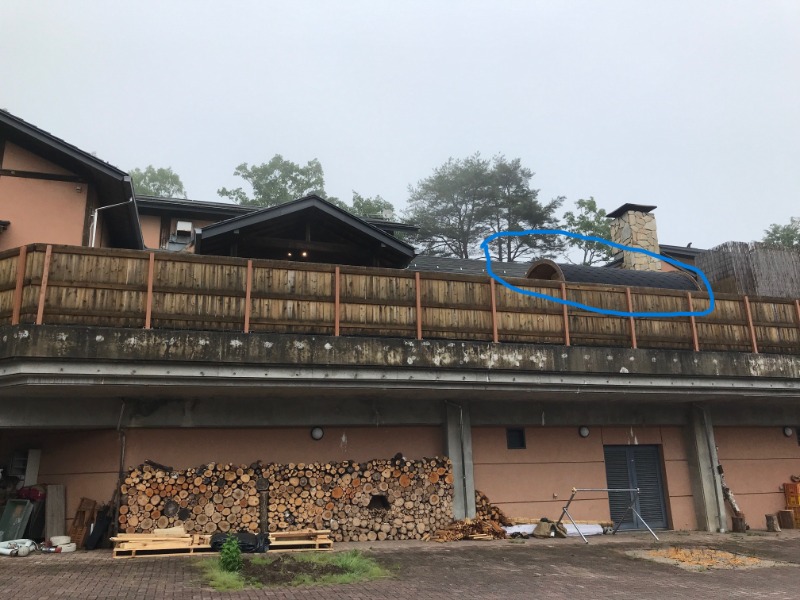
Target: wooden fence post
point(797, 309)
point(22, 263)
point(695, 339)
point(248, 287)
point(492, 290)
point(337, 275)
point(566, 314)
point(48, 253)
point(632, 322)
point(148, 303)
point(419, 304)
point(749, 314)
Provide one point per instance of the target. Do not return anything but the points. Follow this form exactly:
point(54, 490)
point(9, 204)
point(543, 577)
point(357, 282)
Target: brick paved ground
point(422, 571)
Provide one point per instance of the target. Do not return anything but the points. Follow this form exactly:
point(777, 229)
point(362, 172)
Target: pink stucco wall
point(757, 462)
point(39, 210)
point(151, 230)
point(18, 159)
point(537, 481)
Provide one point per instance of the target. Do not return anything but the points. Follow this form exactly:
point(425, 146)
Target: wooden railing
point(118, 288)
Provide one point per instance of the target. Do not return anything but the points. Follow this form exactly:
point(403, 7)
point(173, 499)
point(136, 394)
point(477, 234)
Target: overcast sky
point(691, 106)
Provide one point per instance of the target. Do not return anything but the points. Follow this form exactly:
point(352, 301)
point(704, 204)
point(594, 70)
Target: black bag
point(248, 542)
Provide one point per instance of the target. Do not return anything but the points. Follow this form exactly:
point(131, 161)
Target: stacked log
point(376, 500)
point(206, 499)
point(393, 499)
point(486, 511)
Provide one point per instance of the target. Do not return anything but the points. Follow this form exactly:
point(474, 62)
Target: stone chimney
point(633, 225)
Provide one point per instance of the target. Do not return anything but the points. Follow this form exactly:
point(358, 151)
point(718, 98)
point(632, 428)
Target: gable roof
point(227, 210)
point(113, 185)
point(266, 226)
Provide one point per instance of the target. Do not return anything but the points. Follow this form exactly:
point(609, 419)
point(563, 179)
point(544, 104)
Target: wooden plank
point(797, 309)
point(631, 319)
point(148, 306)
point(299, 532)
point(418, 292)
point(154, 553)
point(320, 549)
point(247, 292)
point(493, 293)
point(693, 321)
point(55, 511)
point(565, 313)
point(48, 254)
point(748, 312)
point(18, 289)
point(336, 294)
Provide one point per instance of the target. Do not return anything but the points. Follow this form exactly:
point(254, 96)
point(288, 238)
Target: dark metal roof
point(267, 226)
point(644, 208)
point(468, 266)
point(112, 184)
point(219, 210)
point(680, 251)
point(225, 210)
point(669, 280)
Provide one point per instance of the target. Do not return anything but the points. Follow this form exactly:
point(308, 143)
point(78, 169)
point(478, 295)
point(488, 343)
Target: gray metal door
point(632, 467)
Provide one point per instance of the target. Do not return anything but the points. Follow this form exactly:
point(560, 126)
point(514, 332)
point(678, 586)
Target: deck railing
point(119, 288)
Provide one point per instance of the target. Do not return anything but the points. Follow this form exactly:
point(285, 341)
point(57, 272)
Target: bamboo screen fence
point(117, 288)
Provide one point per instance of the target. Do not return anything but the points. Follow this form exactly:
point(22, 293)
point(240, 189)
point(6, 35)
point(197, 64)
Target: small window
point(515, 438)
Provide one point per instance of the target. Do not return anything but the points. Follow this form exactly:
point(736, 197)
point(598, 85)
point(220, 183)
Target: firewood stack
point(375, 500)
point(206, 499)
point(486, 525)
point(486, 511)
point(380, 499)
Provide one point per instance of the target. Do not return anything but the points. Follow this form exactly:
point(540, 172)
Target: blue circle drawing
point(594, 309)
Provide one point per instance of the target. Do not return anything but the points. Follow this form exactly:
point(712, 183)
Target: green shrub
point(230, 557)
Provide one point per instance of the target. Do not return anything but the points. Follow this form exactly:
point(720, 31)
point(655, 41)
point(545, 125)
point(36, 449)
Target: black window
point(515, 438)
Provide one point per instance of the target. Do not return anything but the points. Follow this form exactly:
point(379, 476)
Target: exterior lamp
point(583, 431)
point(788, 431)
point(317, 433)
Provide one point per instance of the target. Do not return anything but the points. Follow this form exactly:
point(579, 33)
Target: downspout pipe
point(93, 232)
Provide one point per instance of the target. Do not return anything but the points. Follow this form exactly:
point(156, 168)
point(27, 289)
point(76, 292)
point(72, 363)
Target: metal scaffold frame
point(634, 497)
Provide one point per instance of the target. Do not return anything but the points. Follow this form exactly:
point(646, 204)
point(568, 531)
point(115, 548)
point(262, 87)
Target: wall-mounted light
point(289, 254)
point(304, 254)
point(583, 431)
point(788, 431)
point(317, 433)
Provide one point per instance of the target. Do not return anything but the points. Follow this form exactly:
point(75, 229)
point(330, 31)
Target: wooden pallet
point(172, 542)
point(300, 541)
point(84, 518)
point(152, 551)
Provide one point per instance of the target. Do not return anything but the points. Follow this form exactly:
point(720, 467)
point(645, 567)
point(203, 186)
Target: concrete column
point(458, 443)
point(703, 461)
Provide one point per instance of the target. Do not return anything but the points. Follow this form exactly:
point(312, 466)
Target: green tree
point(164, 183)
point(449, 207)
point(514, 206)
point(784, 235)
point(366, 206)
point(587, 219)
point(278, 181)
point(466, 200)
